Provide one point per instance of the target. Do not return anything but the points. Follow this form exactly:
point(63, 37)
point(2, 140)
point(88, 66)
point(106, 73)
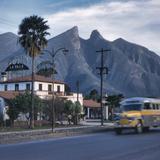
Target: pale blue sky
point(13, 11)
point(134, 20)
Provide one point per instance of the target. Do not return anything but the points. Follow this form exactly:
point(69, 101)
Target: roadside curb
point(24, 136)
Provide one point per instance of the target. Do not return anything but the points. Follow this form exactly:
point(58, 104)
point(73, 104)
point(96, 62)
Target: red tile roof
point(8, 94)
point(91, 104)
point(29, 79)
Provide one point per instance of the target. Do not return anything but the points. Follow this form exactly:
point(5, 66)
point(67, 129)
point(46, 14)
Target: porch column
point(88, 112)
point(106, 112)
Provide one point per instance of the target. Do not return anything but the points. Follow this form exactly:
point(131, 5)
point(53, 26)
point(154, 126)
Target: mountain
point(8, 47)
point(8, 44)
point(133, 70)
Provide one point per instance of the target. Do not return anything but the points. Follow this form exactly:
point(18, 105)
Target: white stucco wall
point(42, 94)
point(11, 86)
point(22, 86)
point(45, 86)
point(62, 87)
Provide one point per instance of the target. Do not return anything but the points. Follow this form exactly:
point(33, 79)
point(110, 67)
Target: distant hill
point(133, 70)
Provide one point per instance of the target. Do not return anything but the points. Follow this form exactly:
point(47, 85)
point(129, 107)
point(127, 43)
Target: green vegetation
point(113, 103)
point(20, 107)
point(93, 95)
point(63, 110)
point(73, 111)
point(21, 104)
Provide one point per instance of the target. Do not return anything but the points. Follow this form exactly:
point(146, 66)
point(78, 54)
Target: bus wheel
point(146, 129)
point(139, 128)
point(118, 131)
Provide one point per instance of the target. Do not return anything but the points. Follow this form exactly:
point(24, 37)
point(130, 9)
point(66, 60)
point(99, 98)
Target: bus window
point(157, 107)
point(147, 106)
point(153, 106)
point(132, 107)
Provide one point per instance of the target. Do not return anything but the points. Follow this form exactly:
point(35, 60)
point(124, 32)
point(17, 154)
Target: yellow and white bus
point(138, 113)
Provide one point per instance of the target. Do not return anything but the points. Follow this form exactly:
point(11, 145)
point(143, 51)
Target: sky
point(137, 21)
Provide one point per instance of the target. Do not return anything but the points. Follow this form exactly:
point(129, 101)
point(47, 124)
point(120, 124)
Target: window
point(40, 87)
point(147, 106)
point(132, 107)
point(16, 87)
point(157, 107)
point(153, 106)
point(49, 87)
point(58, 89)
point(28, 87)
point(5, 87)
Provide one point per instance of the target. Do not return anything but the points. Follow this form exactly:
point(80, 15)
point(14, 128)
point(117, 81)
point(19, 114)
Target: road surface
point(101, 146)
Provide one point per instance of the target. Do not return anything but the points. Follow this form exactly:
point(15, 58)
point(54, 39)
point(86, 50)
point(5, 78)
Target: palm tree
point(32, 36)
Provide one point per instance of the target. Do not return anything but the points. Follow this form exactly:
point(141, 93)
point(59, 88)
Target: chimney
point(3, 76)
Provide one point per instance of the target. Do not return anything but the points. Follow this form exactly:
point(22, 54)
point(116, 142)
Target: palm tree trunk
point(32, 96)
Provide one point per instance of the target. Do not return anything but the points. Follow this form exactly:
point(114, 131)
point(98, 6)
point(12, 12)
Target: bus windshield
point(132, 107)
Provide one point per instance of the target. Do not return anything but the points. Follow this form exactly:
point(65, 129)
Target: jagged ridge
point(133, 69)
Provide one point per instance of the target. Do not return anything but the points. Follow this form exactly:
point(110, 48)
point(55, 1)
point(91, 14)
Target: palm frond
point(32, 34)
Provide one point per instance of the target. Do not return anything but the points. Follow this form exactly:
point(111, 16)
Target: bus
point(138, 113)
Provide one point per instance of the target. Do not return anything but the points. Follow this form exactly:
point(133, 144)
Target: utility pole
point(76, 115)
point(103, 70)
point(53, 96)
point(77, 85)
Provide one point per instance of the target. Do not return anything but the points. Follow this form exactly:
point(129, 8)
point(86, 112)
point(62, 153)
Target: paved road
point(102, 146)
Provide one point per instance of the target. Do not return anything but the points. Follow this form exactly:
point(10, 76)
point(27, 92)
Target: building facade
point(92, 109)
point(43, 86)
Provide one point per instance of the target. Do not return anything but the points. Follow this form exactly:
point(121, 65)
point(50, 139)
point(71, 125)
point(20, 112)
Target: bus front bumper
point(123, 126)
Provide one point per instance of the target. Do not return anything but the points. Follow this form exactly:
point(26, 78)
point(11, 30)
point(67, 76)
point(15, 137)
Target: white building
point(43, 88)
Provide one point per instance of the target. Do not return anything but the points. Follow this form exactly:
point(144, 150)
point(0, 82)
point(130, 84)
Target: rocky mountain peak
point(95, 34)
point(73, 32)
point(8, 35)
point(120, 40)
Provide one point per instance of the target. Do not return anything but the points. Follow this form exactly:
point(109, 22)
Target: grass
point(25, 128)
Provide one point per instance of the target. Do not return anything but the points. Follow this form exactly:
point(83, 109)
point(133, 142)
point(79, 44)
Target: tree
point(32, 36)
point(113, 102)
point(69, 107)
point(94, 95)
point(1, 119)
point(77, 111)
point(72, 111)
point(59, 109)
point(21, 104)
point(13, 111)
